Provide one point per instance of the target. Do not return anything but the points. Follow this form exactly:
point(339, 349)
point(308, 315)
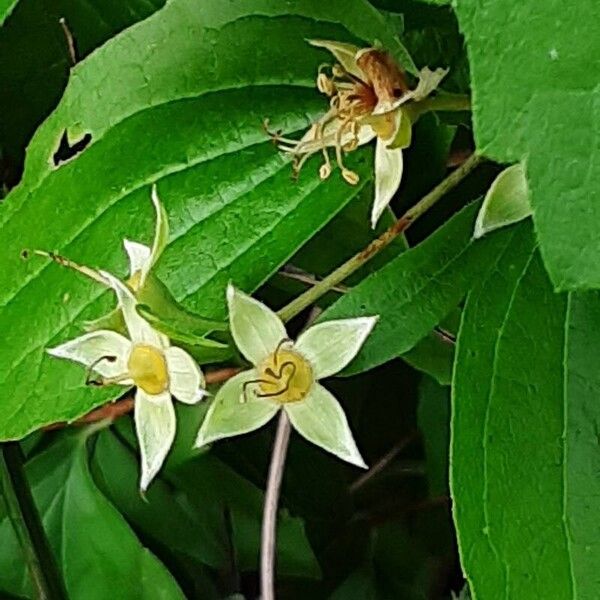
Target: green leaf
point(193, 123)
point(506, 202)
point(207, 481)
point(582, 375)
point(539, 99)
point(524, 433)
point(415, 291)
point(6, 7)
point(164, 515)
point(90, 539)
point(506, 431)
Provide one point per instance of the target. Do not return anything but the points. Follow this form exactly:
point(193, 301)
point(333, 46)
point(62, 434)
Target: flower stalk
point(346, 269)
point(269, 523)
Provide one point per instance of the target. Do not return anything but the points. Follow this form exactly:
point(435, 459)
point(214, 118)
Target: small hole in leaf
point(66, 151)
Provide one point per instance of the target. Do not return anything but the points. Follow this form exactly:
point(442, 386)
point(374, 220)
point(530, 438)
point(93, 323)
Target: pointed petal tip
point(201, 394)
point(154, 195)
point(370, 323)
point(360, 463)
point(231, 292)
point(54, 351)
point(201, 440)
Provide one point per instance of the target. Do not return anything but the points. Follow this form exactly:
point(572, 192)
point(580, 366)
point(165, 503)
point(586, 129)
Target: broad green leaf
point(90, 539)
point(190, 117)
point(414, 292)
point(506, 202)
point(35, 61)
point(507, 424)
point(535, 73)
point(524, 442)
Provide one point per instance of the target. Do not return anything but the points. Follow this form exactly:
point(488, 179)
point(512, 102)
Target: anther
point(325, 170)
point(350, 176)
point(338, 71)
point(325, 85)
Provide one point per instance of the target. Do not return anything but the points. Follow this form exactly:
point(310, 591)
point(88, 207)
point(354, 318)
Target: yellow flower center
point(148, 369)
point(285, 376)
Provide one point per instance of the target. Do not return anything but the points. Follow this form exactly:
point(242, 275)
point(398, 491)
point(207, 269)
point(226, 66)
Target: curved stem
point(400, 226)
point(269, 523)
point(27, 524)
point(443, 102)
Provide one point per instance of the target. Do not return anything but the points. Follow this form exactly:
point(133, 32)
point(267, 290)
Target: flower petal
point(186, 381)
point(139, 330)
point(139, 256)
point(231, 414)
point(388, 174)
point(428, 82)
point(91, 348)
point(320, 419)
point(256, 329)
point(155, 427)
point(344, 53)
point(330, 346)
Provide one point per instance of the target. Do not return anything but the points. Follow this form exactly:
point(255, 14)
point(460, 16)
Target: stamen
point(279, 346)
point(325, 85)
point(350, 176)
point(279, 376)
point(244, 396)
point(90, 369)
point(325, 169)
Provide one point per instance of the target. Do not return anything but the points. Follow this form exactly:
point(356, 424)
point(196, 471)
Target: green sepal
point(403, 136)
point(506, 202)
point(112, 321)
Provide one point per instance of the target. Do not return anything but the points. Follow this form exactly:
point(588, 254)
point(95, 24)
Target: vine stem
point(269, 523)
point(25, 519)
point(346, 269)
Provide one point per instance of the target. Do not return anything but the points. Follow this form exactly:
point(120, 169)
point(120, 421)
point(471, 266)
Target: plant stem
point(21, 509)
point(269, 523)
point(446, 102)
point(400, 226)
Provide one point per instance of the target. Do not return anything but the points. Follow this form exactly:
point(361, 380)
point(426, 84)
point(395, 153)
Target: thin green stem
point(442, 102)
point(446, 102)
point(21, 509)
point(400, 226)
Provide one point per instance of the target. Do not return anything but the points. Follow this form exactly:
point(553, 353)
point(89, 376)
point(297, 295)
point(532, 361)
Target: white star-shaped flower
point(146, 360)
point(286, 377)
